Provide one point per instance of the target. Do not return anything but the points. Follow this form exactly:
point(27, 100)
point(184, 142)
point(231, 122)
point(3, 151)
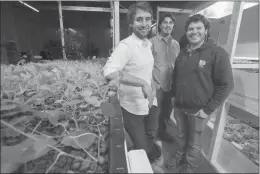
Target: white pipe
point(28, 6)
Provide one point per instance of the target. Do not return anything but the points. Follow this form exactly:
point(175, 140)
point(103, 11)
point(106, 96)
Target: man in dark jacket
point(202, 80)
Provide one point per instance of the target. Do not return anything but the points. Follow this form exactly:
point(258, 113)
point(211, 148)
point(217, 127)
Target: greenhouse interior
point(60, 115)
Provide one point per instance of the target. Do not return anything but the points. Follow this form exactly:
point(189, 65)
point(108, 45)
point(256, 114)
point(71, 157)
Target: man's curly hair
point(198, 18)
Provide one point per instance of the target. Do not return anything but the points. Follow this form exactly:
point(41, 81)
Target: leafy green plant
point(52, 111)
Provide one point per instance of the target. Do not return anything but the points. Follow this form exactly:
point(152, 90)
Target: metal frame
point(114, 10)
point(223, 111)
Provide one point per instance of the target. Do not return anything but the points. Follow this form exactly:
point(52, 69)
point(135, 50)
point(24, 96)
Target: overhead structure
point(115, 18)
point(201, 7)
point(94, 9)
point(171, 10)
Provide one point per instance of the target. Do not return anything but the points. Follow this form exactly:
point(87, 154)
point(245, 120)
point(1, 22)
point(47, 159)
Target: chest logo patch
point(202, 63)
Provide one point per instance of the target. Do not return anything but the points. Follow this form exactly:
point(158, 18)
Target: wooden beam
point(202, 7)
point(218, 131)
point(245, 66)
point(234, 28)
point(113, 23)
point(62, 30)
point(223, 111)
point(116, 22)
point(173, 10)
point(157, 19)
point(82, 8)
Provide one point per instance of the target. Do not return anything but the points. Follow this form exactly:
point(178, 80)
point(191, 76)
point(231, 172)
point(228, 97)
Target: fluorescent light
point(222, 8)
point(72, 30)
point(28, 6)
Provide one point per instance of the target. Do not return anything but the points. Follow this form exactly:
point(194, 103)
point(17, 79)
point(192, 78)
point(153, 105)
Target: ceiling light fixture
point(28, 6)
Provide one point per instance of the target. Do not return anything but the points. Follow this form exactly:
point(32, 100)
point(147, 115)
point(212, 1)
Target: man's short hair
point(198, 18)
point(145, 6)
point(169, 15)
point(161, 19)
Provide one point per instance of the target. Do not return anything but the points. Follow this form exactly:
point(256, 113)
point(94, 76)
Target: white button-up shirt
point(134, 57)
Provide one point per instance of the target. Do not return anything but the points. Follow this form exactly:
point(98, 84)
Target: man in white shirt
point(132, 63)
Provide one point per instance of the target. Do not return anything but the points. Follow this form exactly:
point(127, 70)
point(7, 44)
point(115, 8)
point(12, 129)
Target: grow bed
point(248, 62)
point(242, 136)
point(51, 120)
point(244, 61)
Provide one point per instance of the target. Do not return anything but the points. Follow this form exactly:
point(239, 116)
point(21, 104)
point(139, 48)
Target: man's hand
point(152, 99)
point(200, 114)
point(147, 91)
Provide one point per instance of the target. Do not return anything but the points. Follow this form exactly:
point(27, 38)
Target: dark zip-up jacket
point(202, 79)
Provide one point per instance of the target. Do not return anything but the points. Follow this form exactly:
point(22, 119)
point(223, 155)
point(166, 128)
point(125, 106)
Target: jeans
point(164, 108)
point(189, 130)
point(142, 129)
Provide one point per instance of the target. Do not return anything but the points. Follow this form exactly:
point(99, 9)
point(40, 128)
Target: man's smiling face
point(142, 23)
point(167, 26)
point(196, 32)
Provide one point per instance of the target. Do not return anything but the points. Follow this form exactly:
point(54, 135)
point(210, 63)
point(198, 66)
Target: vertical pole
point(234, 28)
point(157, 19)
point(223, 111)
point(116, 22)
point(112, 23)
point(62, 31)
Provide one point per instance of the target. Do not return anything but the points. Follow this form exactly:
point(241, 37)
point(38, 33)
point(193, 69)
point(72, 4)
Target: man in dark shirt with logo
point(202, 80)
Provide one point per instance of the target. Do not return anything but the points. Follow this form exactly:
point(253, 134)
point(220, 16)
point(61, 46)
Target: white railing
point(245, 66)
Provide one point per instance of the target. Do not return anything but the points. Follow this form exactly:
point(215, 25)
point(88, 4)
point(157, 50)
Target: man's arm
point(126, 79)
point(115, 65)
point(222, 79)
point(153, 94)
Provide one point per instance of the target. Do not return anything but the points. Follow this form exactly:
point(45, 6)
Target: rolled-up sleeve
point(117, 60)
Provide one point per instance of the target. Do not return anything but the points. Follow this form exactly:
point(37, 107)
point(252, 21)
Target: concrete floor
point(171, 148)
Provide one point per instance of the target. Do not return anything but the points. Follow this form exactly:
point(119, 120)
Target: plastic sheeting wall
point(32, 30)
